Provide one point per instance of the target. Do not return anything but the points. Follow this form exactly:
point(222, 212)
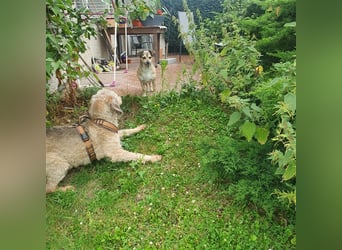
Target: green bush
point(264, 21)
point(85, 95)
point(248, 173)
point(261, 104)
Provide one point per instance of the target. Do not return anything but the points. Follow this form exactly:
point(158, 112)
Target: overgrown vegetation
point(181, 202)
point(262, 103)
point(263, 21)
point(67, 29)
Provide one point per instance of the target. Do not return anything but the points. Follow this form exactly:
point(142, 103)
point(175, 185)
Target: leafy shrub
point(262, 105)
point(67, 29)
point(249, 173)
point(264, 22)
point(85, 95)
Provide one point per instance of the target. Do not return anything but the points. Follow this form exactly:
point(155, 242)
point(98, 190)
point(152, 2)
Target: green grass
point(172, 204)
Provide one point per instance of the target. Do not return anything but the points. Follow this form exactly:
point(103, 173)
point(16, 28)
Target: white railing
point(95, 6)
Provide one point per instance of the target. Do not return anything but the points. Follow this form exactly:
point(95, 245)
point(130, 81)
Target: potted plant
point(137, 9)
point(157, 18)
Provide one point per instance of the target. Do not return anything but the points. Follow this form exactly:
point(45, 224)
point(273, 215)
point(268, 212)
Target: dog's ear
point(114, 103)
point(140, 53)
point(152, 52)
point(96, 107)
point(103, 99)
point(117, 108)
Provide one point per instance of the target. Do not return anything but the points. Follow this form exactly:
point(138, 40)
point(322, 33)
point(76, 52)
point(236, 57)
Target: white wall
point(96, 47)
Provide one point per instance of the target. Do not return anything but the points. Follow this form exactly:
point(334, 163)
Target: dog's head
point(146, 57)
point(105, 104)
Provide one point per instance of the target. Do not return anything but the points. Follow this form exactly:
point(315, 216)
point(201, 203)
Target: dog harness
point(85, 137)
point(89, 146)
point(107, 125)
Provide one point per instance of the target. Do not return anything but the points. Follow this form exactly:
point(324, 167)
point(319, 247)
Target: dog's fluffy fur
point(66, 150)
point(147, 72)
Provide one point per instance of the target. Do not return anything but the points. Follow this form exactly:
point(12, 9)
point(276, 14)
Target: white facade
point(96, 47)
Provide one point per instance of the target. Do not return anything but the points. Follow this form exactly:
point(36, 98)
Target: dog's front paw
point(156, 158)
point(66, 188)
point(141, 127)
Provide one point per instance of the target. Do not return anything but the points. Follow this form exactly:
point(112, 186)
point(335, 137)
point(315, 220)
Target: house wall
point(96, 48)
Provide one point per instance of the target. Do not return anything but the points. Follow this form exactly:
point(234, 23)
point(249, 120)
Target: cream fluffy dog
point(65, 148)
point(147, 72)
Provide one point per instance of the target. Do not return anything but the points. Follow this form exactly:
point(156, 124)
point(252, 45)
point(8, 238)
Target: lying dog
point(147, 72)
point(96, 137)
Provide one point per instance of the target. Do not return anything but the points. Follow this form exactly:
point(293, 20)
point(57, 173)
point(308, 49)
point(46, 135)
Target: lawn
point(176, 203)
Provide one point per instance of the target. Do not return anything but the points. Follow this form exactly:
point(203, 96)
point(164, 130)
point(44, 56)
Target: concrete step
point(169, 60)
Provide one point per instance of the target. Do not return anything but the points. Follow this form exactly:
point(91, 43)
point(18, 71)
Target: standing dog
point(147, 72)
point(96, 137)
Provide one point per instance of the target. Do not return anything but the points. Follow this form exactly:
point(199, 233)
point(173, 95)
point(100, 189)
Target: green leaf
point(290, 172)
point(247, 112)
point(256, 108)
point(224, 51)
point(224, 73)
point(261, 135)
point(241, 63)
point(291, 24)
point(224, 95)
point(289, 154)
point(290, 100)
point(282, 161)
point(248, 130)
point(279, 171)
point(234, 118)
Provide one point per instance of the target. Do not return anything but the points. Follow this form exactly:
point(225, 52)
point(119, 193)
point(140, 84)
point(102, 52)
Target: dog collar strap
point(89, 146)
point(106, 125)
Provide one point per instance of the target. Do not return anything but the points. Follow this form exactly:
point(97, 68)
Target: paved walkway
point(127, 83)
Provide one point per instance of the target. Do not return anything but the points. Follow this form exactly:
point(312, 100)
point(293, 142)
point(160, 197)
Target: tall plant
point(263, 21)
point(67, 29)
point(262, 105)
point(137, 9)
